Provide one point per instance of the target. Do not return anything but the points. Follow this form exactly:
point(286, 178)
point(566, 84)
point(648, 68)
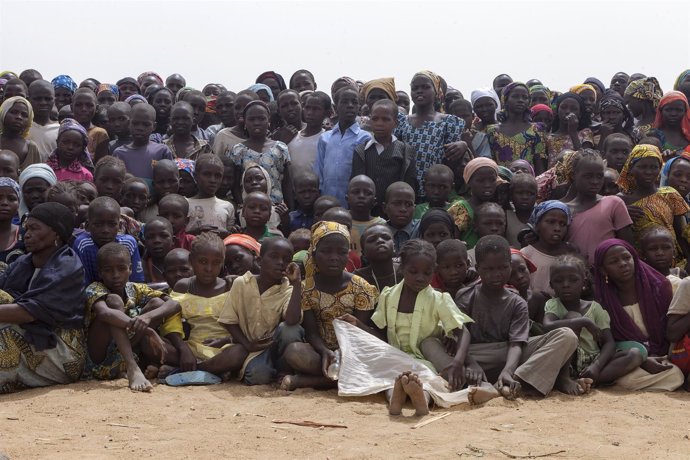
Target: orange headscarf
point(669, 97)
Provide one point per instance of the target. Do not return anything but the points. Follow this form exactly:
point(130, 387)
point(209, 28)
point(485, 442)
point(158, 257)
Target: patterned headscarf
point(246, 241)
point(436, 216)
point(64, 81)
point(7, 182)
point(348, 80)
point(186, 165)
point(684, 74)
point(387, 85)
point(435, 82)
point(7, 106)
point(70, 124)
point(543, 89)
point(581, 88)
point(108, 87)
point(535, 109)
point(136, 97)
point(654, 295)
point(525, 164)
point(669, 97)
point(319, 231)
point(611, 98)
point(150, 73)
point(546, 206)
point(84, 159)
point(503, 116)
point(666, 170)
point(647, 89)
point(8, 74)
point(261, 87)
point(626, 181)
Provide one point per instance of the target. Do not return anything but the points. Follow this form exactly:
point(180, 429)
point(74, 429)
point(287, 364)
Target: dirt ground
point(106, 420)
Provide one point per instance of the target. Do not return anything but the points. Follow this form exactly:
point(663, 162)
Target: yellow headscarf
point(387, 85)
point(579, 89)
point(435, 80)
point(8, 104)
point(319, 231)
point(626, 181)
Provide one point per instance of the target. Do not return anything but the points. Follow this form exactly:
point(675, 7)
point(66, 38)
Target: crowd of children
point(526, 238)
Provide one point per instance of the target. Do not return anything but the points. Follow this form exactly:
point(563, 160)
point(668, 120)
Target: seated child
point(399, 207)
point(306, 185)
point(377, 247)
point(322, 204)
point(141, 154)
point(70, 160)
point(550, 220)
point(523, 196)
point(342, 216)
point(256, 211)
point(121, 316)
point(596, 357)
point(158, 240)
point(452, 267)
point(489, 219)
point(384, 158)
point(241, 254)
point(103, 219)
point(501, 350)
point(135, 196)
point(521, 268)
point(328, 293)
point(361, 198)
point(610, 187)
point(438, 184)
point(175, 208)
point(176, 266)
point(657, 249)
point(300, 238)
point(436, 226)
point(206, 211)
point(254, 311)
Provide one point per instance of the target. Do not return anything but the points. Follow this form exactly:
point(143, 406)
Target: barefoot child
point(176, 266)
point(254, 312)
point(206, 211)
point(158, 239)
point(501, 350)
point(377, 247)
point(596, 356)
point(122, 315)
point(175, 209)
point(328, 293)
point(361, 199)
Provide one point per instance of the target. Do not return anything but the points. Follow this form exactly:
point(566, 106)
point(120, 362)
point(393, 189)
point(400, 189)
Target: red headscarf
point(669, 97)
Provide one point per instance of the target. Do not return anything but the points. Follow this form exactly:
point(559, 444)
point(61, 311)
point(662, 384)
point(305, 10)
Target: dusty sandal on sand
point(192, 378)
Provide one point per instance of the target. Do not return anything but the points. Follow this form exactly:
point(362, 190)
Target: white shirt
point(379, 147)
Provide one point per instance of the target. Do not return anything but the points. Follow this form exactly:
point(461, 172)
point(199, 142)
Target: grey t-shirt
point(504, 320)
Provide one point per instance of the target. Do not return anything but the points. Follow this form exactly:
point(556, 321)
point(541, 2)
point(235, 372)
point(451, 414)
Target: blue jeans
point(262, 369)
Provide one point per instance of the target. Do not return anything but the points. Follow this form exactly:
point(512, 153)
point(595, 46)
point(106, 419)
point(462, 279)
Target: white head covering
point(485, 92)
point(40, 170)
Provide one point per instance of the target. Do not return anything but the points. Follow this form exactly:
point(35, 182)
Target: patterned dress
point(274, 160)
point(526, 145)
point(462, 214)
point(557, 142)
point(429, 140)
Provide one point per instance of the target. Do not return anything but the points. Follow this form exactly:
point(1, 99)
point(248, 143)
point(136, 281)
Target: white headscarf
point(40, 170)
point(485, 92)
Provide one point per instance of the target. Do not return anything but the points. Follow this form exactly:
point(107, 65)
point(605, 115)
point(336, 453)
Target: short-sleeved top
point(274, 160)
point(557, 142)
point(87, 250)
point(210, 211)
point(513, 227)
point(303, 150)
point(140, 160)
point(526, 145)
point(357, 295)
point(595, 312)
point(506, 320)
point(680, 304)
point(597, 224)
point(45, 138)
point(224, 141)
point(540, 280)
point(429, 140)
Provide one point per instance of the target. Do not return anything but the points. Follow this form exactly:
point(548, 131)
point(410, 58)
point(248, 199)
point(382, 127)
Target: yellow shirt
point(202, 315)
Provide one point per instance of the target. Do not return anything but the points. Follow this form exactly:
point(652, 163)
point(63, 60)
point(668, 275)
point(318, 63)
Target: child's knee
point(635, 356)
point(260, 374)
point(285, 335)
point(430, 345)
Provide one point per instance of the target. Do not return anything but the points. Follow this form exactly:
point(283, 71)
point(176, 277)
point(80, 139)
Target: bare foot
point(398, 397)
point(137, 381)
point(585, 384)
point(288, 384)
point(151, 372)
point(481, 394)
point(413, 388)
point(569, 386)
point(655, 366)
point(164, 371)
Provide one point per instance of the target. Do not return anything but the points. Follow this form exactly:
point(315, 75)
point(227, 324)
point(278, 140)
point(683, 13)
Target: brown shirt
point(506, 320)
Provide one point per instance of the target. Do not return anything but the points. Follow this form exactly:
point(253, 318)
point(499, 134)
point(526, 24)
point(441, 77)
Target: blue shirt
point(87, 250)
point(334, 159)
point(298, 219)
point(403, 235)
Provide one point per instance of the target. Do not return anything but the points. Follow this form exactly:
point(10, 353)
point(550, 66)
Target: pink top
point(67, 174)
point(597, 224)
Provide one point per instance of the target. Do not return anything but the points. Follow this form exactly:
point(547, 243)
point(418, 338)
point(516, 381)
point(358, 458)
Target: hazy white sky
point(231, 42)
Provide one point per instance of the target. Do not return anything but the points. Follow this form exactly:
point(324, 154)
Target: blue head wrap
point(546, 206)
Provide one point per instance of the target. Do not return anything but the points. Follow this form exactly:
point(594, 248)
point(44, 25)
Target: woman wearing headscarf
point(64, 89)
point(516, 137)
point(571, 127)
point(42, 310)
point(615, 118)
point(485, 104)
point(434, 135)
point(682, 83)
point(636, 298)
point(589, 96)
point(381, 88)
point(16, 117)
point(274, 81)
point(672, 122)
point(328, 292)
point(539, 94)
point(642, 98)
point(34, 182)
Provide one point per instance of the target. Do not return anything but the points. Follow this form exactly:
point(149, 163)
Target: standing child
point(523, 196)
point(16, 116)
point(70, 160)
point(225, 109)
point(384, 158)
point(399, 207)
point(570, 128)
point(118, 126)
point(323, 204)
point(336, 147)
point(9, 164)
point(290, 113)
point(182, 143)
point(596, 218)
point(11, 241)
point(256, 179)
point(206, 211)
point(377, 247)
point(43, 130)
point(227, 138)
point(84, 105)
point(550, 221)
point(121, 315)
point(306, 193)
point(361, 198)
point(175, 209)
point(489, 219)
point(676, 174)
point(103, 220)
point(610, 185)
point(617, 148)
point(438, 185)
point(596, 356)
point(158, 240)
point(109, 177)
point(135, 195)
point(187, 184)
point(304, 146)
point(141, 154)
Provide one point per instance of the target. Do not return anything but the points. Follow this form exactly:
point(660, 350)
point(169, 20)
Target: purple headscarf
point(654, 294)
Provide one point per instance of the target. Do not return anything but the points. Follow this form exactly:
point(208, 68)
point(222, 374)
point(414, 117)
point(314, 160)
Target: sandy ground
point(106, 420)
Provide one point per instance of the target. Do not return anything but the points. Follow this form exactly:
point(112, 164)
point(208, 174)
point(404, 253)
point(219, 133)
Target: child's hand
point(138, 325)
point(455, 151)
point(327, 358)
point(450, 345)
point(187, 360)
point(572, 121)
point(156, 343)
point(455, 376)
point(474, 375)
point(282, 210)
point(635, 212)
point(293, 273)
point(507, 385)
